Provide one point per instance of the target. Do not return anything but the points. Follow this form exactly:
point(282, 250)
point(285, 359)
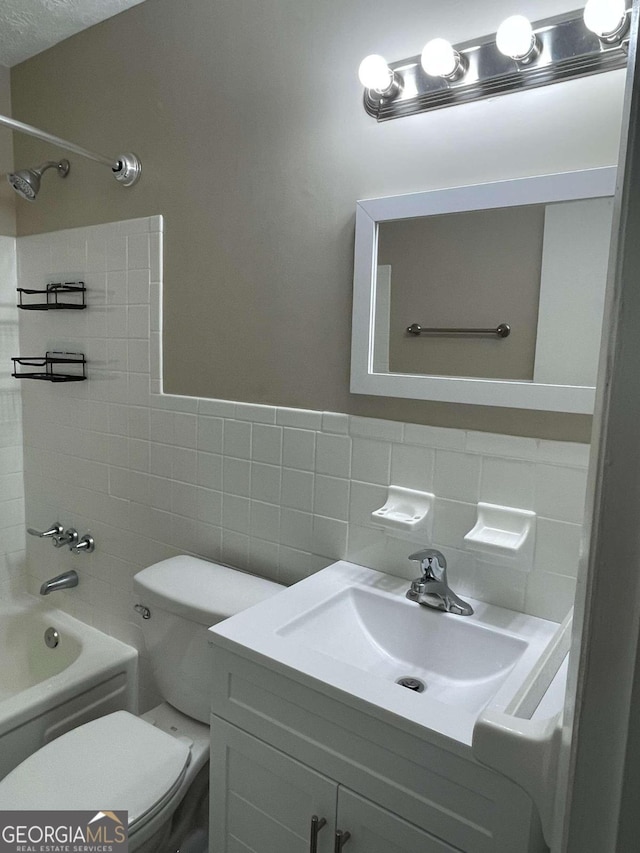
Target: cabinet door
point(375, 830)
point(261, 800)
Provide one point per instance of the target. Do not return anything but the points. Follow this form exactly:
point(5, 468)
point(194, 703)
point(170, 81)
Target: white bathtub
point(45, 692)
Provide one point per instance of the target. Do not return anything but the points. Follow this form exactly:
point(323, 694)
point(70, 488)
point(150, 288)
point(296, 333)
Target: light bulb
point(374, 73)
point(605, 17)
point(440, 59)
point(515, 37)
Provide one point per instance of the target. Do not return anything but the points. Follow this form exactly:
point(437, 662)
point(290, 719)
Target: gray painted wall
point(7, 196)
point(248, 118)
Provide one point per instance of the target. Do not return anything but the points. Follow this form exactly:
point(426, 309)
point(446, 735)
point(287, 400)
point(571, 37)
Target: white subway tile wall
point(281, 492)
point(12, 528)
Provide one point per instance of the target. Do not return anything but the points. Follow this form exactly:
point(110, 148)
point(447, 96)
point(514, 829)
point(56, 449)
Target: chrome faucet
point(432, 589)
point(52, 532)
point(64, 581)
point(69, 537)
point(60, 537)
point(57, 534)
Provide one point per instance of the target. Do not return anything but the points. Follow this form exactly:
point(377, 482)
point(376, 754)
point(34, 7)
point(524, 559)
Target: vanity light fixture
point(521, 55)
point(440, 59)
point(608, 19)
point(379, 80)
point(516, 39)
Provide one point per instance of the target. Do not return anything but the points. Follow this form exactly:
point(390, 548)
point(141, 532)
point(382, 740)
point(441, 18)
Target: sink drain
point(412, 683)
point(51, 638)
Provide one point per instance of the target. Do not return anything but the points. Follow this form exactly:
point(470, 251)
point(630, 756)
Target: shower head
point(26, 182)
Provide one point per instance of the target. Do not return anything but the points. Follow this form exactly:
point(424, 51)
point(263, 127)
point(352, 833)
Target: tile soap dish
point(504, 533)
point(407, 511)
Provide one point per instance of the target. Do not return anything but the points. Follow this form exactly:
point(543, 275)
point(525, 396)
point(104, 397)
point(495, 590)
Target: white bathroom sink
point(455, 660)
point(352, 630)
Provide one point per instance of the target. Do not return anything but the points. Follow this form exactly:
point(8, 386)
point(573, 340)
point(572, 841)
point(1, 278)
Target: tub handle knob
point(86, 545)
point(56, 529)
point(68, 537)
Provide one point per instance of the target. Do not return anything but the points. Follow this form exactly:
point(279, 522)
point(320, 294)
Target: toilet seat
point(117, 762)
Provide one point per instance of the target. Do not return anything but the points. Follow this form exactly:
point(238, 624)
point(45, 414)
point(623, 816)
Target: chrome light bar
point(566, 49)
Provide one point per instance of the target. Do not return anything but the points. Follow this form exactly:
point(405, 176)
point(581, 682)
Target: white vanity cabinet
point(373, 829)
point(263, 800)
point(285, 748)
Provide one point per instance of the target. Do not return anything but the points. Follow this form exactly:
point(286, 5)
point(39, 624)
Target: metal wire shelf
point(53, 293)
point(48, 362)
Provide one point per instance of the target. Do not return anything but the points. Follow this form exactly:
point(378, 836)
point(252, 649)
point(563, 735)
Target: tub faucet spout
point(64, 581)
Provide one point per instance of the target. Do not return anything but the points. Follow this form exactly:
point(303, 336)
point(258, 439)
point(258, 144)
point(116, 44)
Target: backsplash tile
point(283, 492)
point(301, 418)
point(511, 446)
point(335, 422)
point(436, 437)
point(209, 436)
point(412, 467)
point(559, 492)
point(557, 544)
point(237, 439)
point(375, 428)
point(457, 475)
point(507, 482)
point(331, 497)
point(371, 461)
point(297, 489)
point(299, 449)
point(333, 455)
point(267, 444)
point(266, 482)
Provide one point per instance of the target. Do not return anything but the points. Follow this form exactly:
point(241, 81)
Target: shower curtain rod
point(125, 167)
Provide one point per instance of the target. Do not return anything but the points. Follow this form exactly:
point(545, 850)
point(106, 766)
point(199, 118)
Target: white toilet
point(154, 766)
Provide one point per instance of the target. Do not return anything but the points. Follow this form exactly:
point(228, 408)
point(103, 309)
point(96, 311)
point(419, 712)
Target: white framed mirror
point(461, 263)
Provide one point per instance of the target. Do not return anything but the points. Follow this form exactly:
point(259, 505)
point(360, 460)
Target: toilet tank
point(185, 595)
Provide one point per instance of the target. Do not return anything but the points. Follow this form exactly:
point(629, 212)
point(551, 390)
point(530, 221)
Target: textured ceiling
point(28, 27)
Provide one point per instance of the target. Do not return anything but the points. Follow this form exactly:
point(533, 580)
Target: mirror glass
point(458, 273)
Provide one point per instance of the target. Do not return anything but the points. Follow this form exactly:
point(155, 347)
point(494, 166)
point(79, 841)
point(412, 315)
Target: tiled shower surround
point(281, 492)
point(12, 533)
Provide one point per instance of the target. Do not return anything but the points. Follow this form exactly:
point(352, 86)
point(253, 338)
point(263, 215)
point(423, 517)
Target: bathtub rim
point(101, 658)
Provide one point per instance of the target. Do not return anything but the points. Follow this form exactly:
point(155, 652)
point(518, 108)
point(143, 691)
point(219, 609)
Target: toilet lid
point(118, 762)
